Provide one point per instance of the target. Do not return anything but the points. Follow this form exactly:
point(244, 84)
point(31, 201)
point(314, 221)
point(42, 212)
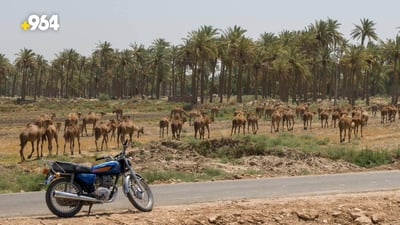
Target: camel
point(238, 121)
point(118, 112)
point(126, 127)
point(113, 128)
point(300, 109)
point(260, 110)
point(72, 119)
point(288, 119)
point(276, 117)
point(192, 116)
point(345, 125)
point(176, 126)
point(252, 121)
point(269, 110)
point(324, 117)
point(214, 112)
point(31, 133)
point(58, 127)
point(307, 119)
point(178, 111)
point(384, 114)
point(70, 134)
point(50, 133)
point(374, 109)
point(92, 118)
point(392, 110)
point(164, 124)
point(200, 124)
point(364, 117)
point(102, 129)
point(335, 118)
point(357, 122)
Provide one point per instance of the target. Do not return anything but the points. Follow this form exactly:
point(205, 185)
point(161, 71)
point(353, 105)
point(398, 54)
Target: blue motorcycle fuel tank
point(111, 167)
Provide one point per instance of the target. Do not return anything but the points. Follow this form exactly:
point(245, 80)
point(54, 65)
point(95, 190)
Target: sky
point(83, 24)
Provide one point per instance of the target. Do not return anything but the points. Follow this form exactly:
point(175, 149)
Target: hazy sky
point(121, 22)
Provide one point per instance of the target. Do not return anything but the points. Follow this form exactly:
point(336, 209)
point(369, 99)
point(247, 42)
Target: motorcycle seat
point(68, 167)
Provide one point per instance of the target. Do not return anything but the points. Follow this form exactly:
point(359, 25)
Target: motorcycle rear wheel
point(63, 207)
point(140, 195)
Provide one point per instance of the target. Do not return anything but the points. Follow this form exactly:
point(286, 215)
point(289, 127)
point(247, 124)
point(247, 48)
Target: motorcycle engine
point(103, 185)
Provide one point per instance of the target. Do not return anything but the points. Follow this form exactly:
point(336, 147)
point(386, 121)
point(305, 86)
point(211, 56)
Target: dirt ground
point(356, 208)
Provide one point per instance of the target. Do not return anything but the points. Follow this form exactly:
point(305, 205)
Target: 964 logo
point(41, 22)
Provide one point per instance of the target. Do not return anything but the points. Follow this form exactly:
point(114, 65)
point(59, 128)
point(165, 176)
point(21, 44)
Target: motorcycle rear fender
point(125, 184)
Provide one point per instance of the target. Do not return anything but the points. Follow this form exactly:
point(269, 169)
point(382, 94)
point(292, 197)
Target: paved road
point(33, 203)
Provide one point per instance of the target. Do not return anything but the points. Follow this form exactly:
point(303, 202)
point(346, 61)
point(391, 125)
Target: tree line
point(214, 64)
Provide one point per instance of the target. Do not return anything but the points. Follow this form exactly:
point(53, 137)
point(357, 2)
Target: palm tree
point(355, 60)
point(25, 62)
point(140, 60)
point(71, 64)
point(244, 54)
point(391, 49)
point(160, 63)
point(124, 60)
point(202, 46)
point(4, 69)
point(231, 36)
point(105, 55)
point(41, 69)
point(269, 44)
point(363, 31)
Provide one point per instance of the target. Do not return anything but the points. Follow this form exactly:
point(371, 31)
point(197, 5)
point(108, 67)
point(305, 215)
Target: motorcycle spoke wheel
point(63, 207)
point(140, 195)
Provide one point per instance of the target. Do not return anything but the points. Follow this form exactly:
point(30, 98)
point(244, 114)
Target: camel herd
point(45, 129)
point(348, 119)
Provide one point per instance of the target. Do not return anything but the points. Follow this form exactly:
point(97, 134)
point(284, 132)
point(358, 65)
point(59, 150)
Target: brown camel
point(193, 114)
point(201, 123)
point(72, 119)
point(345, 125)
point(357, 122)
point(176, 126)
point(288, 119)
point(324, 117)
point(113, 128)
point(164, 124)
point(92, 118)
point(307, 119)
point(214, 112)
point(276, 117)
point(118, 112)
point(31, 133)
point(126, 127)
point(335, 118)
point(50, 133)
point(102, 129)
point(239, 121)
point(70, 134)
point(178, 111)
point(260, 110)
point(252, 121)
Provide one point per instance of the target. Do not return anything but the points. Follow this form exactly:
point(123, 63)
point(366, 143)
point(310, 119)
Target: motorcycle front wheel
point(63, 207)
point(140, 195)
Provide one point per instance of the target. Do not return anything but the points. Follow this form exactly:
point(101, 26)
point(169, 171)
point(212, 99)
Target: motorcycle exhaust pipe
point(66, 195)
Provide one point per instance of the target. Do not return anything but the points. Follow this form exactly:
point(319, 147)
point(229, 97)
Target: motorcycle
point(71, 185)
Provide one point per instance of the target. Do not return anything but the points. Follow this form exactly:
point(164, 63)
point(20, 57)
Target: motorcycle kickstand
point(90, 208)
